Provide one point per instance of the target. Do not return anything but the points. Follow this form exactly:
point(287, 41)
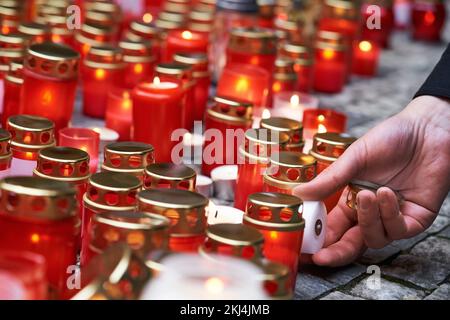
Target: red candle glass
point(90, 36)
point(50, 77)
point(285, 78)
point(366, 55)
point(160, 101)
point(202, 77)
point(5, 153)
point(226, 115)
point(139, 61)
point(106, 191)
point(119, 112)
point(29, 268)
point(128, 157)
point(428, 19)
point(302, 57)
point(30, 135)
point(322, 120)
point(186, 211)
point(380, 34)
point(169, 175)
point(327, 148)
point(103, 70)
point(258, 147)
point(294, 129)
point(59, 31)
point(341, 16)
point(185, 41)
point(140, 30)
point(279, 218)
point(39, 215)
point(10, 17)
point(13, 84)
point(35, 32)
point(84, 139)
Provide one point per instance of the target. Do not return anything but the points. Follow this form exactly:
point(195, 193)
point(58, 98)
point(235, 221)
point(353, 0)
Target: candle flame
point(156, 80)
point(295, 100)
point(47, 97)
point(276, 87)
point(5, 30)
point(56, 38)
point(214, 285)
point(320, 118)
point(29, 155)
point(266, 114)
point(35, 238)
point(321, 128)
point(429, 18)
point(186, 35)
point(147, 17)
point(100, 74)
point(242, 85)
point(273, 235)
point(328, 54)
point(126, 103)
point(365, 46)
point(138, 68)
point(85, 48)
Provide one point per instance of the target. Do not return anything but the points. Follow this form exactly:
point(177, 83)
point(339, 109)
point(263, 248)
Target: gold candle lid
point(185, 209)
point(31, 133)
point(197, 60)
point(63, 163)
point(331, 40)
point(231, 110)
point(116, 274)
point(177, 70)
point(52, 59)
point(180, 8)
point(246, 241)
point(166, 25)
point(341, 9)
point(177, 176)
point(252, 40)
point(261, 143)
point(173, 17)
point(136, 51)
point(275, 279)
point(144, 30)
point(329, 146)
point(289, 169)
point(15, 72)
point(5, 150)
point(201, 16)
point(142, 232)
point(355, 186)
point(291, 127)
point(104, 57)
point(112, 191)
point(37, 199)
point(7, 56)
point(274, 211)
point(13, 41)
point(296, 51)
point(100, 18)
point(128, 157)
point(32, 29)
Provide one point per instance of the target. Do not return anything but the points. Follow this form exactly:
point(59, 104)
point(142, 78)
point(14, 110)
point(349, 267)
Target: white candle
point(224, 214)
point(107, 136)
point(204, 186)
point(224, 178)
point(291, 104)
point(315, 215)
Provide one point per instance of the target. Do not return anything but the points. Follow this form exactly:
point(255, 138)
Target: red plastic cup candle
point(107, 191)
point(161, 102)
point(59, 32)
point(106, 136)
point(231, 118)
point(13, 85)
point(84, 139)
point(278, 217)
point(143, 232)
point(29, 268)
point(255, 153)
point(366, 55)
point(65, 164)
point(381, 33)
point(103, 70)
point(30, 135)
point(39, 215)
point(245, 82)
point(169, 175)
point(35, 32)
point(330, 67)
point(428, 19)
point(292, 104)
point(90, 36)
point(185, 41)
point(327, 148)
point(5, 153)
point(50, 77)
point(303, 64)
point(148, 31)
point(139, 61)
point(340, 16)
point(119, 112)
point(186, 211)
point(284, 78)
point(294, 129)
point(128, 157)
point(183, 73)
point(202, 77)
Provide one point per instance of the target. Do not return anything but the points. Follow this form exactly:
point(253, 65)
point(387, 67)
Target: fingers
point(393, 221)
point(343, 252)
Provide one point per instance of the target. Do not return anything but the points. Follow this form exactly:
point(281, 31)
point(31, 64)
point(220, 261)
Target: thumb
point(335, 177)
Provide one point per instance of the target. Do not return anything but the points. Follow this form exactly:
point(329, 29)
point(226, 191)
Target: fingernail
point(363, 203)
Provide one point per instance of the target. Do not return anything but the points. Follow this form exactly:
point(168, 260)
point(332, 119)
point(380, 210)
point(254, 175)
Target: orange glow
point(84, 148)
point(29, 155)
point(242, 85)
point(56, 38)
point(39, 39)
point(321, 118)
point(138, 68)
point(273, 235)
point(47, 97)
point(186, 35)
point(328, 54)
point(254, 60)
point(321, 128)
point(126, 102)
point(365, 46)
point(276, 87)
point(27, 137)
point(85, 48)
point(429, 18)
point(100, 74)
point(214, 285)
point(5, 29)
point(35, 238)
point(147, 17)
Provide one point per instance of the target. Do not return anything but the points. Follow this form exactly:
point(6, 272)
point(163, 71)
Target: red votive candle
point(59, 31)
point(202, 77)
point(5, 153)
point(186, 212)
point(254, 158)
point(90, 36)
point(84, 139)
point(13, 85)
point(106, 191)
point(161, 102)
point(279, 218)
point(341, 16)
point(39, 215)
point(285, 78)
point(50, 77)
point(139, 61)
point(35, 32)
point(103, 70)
point(302, 57)
point(142, 30)
point(327, 148)
point(294, 129)
point(119, 112)
point(322, 120)
point(169, 175)
point(229, 118)
point(366, 55)
point(30, 135)
point(428, 19)
point(184, 41)
point(380, 34)
point(30, 270)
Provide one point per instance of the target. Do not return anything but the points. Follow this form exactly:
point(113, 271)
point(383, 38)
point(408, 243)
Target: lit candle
point(169, 175)
point(84, 139)
point(224, 178)
point(139, 61)
point(160, 102)
point(292, 104)
point(5, 153)
point(365, 58)
point(428, 19)
point(303, 61)
point(285, 78)
point(119, 113)
point(340, 16)
point(330, 67)
point(224, 214)
point(291, 127)
point(106, 135)
point(186, 41)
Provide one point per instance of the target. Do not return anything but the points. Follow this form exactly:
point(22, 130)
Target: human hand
point(409, 153)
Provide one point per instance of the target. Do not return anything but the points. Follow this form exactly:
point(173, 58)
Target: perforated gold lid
point(329, 146)
point(104, 57)
point(231, 109)
point(261, 143)
point(136, 51)
point(13, 40)
point(128, 157)
point(15, 73)
point(31, 133)
point(252, 40)
point(5, 150)
point(174, 175)
point(34, 29)
point(275, 277)
point(178, 70)
point(291, 127)
point(355, 186)
point(147, 30)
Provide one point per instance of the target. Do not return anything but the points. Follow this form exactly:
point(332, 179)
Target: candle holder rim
point(13, 38)
point(235, 234)
point(245, 154)
point(293, 159)
point(274, 199)
point(129, 147)
point(281, 124)
point(191, 58)
point(143, 27)
point(36, 186)
point(30, 123)
point(5, 135)
point(334, 138)
point(114, 181)
point(170, 171)
point(63, 154)
point(33, 28)
point(172, 198)
point(53, 51)
point(254, 135)
point(11, 53)
point(150, 221)
point(276, 226)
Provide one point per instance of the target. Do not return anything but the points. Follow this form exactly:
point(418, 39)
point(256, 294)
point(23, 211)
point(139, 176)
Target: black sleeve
point(438, 82)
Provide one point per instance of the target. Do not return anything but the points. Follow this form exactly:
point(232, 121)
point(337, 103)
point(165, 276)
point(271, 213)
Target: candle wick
point(217, 212)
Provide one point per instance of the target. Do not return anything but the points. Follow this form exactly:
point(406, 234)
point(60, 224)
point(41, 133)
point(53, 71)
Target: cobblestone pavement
point(417, 268)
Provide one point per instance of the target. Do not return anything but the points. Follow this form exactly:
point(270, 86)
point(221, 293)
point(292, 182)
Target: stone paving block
point(439, 224)
point(388, 291)
point(433, 248)
point(419, 271)
point(444, 233)
point(441, 293)
point(445, 208)
point(407, 244)
point(340, 276)
point(376, 256)
point(310, 287)
point(337, 295)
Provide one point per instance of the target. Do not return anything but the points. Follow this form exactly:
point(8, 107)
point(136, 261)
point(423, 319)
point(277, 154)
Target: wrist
point(429, 111)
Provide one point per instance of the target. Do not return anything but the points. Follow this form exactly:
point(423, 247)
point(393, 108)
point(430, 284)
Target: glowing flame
point(100, 74)
point(138, 68)
point(321, 128)
point(156, 80)
point(365, 46)
point(242, 85)
point(35, 238)
point(47, 97)
point(126, 103)
point(321, 118)
point(276, 87)
point(29, 155)
point(295, 100)
point(85, 48)
point(254, 60)
point(266, 114)
point(147, 17)
point(5, 29)
point(328, 54)
point(273, 235)
point(56, 38)
point(429, 18)
point(186, 35)
point(214, 285)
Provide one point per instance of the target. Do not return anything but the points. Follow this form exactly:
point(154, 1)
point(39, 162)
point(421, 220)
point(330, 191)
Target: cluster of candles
point(147, 70)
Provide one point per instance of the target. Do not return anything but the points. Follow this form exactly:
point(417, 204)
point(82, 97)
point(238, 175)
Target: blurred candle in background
point(119, 113)
point(366, 56)
point(184, 41)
